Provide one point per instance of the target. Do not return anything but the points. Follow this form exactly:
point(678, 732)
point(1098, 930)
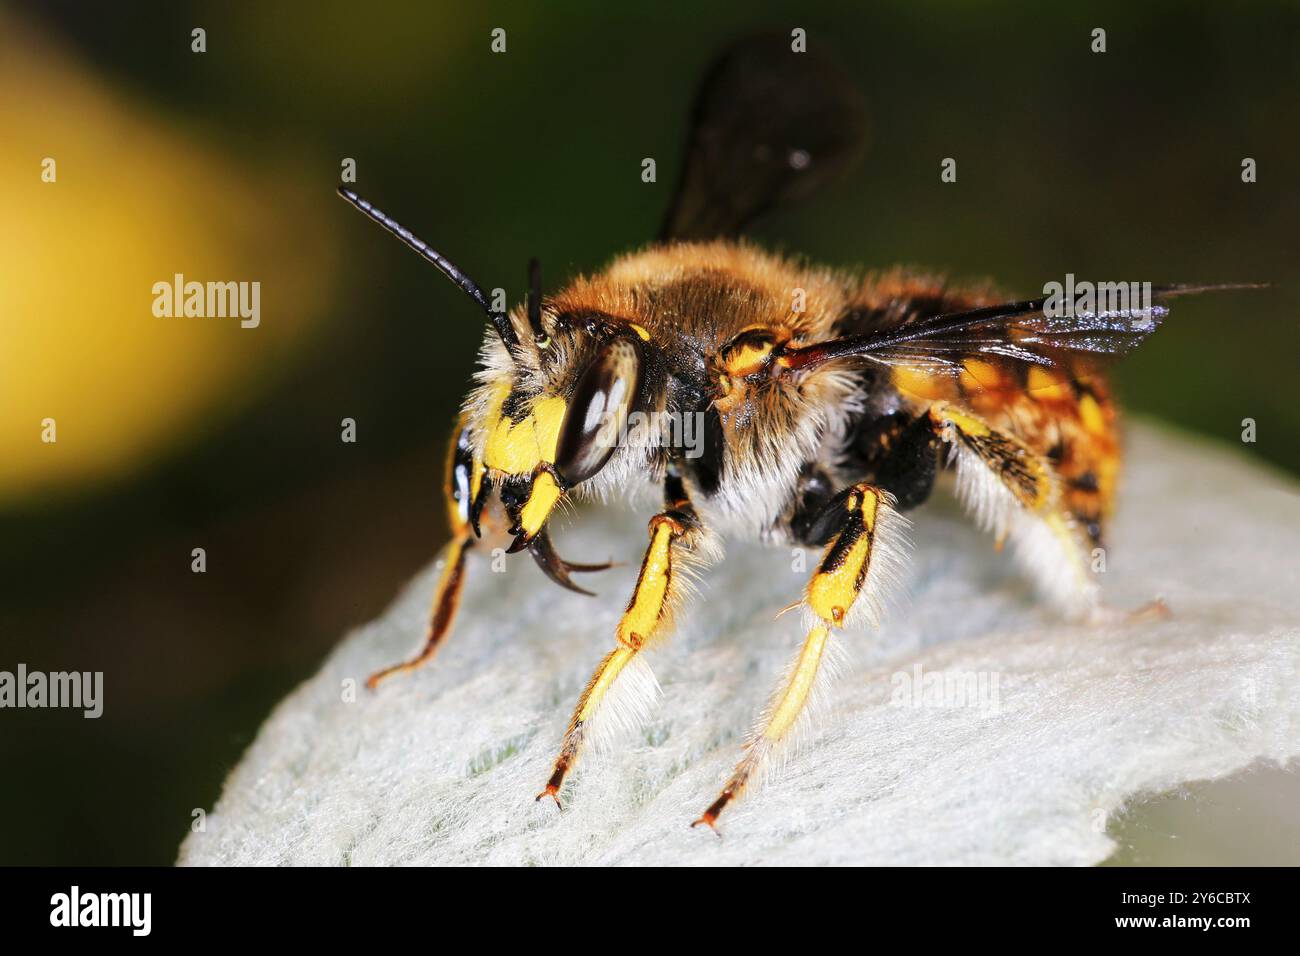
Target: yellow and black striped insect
point(826, 402)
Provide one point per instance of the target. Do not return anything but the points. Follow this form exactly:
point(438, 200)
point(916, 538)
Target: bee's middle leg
point(858, 568)
point(677, 541)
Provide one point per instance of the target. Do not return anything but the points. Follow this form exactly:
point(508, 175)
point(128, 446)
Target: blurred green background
point(1124, 165)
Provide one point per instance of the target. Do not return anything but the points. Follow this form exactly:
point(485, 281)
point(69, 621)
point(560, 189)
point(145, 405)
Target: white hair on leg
point(626, 707)
point(791, 716)
point(1046, 544)
point(629, 702)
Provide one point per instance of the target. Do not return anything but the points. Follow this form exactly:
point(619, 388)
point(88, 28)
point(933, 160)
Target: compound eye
point(598, 411)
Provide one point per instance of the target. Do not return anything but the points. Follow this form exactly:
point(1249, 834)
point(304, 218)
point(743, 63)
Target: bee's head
point(553, 406)
point(555, 393)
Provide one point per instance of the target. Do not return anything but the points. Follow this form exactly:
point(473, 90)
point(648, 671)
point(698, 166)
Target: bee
point(827, 403)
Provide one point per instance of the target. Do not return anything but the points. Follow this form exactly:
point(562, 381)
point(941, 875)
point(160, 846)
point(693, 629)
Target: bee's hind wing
point(769, 124)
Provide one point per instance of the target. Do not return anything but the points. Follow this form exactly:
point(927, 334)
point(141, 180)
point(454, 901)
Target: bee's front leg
point(462, 483)
point(678, 542)
point(860, 564)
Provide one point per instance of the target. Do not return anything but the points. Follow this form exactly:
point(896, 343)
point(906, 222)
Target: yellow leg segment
point(1025, 474)
point(831, 594)
point(800, 686)
point(1014, 492)
point(646, 616)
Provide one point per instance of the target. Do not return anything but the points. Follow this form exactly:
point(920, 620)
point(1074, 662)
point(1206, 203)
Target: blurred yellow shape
point(138, 197)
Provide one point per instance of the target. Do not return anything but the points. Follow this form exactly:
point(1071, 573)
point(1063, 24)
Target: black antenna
point(535, 301)
point(500, 320)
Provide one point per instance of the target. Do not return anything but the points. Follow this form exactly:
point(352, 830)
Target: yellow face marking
point(800, 686)
point(511, 447)
point(493, 420)
point(548, 417)
point(645, 336)
point(539, 504)
point(517, 448)
point(642, 615)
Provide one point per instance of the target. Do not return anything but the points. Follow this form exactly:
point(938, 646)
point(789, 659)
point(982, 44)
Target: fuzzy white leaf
point(442, 766)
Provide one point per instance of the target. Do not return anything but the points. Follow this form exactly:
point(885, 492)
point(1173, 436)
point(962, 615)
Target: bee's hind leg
point(678, 543)
point(1017, 494)
point(859, 567)
point(1014, 492)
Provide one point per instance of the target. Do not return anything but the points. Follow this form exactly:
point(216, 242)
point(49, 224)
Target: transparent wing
point(1000, 336)
point(768, 125)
